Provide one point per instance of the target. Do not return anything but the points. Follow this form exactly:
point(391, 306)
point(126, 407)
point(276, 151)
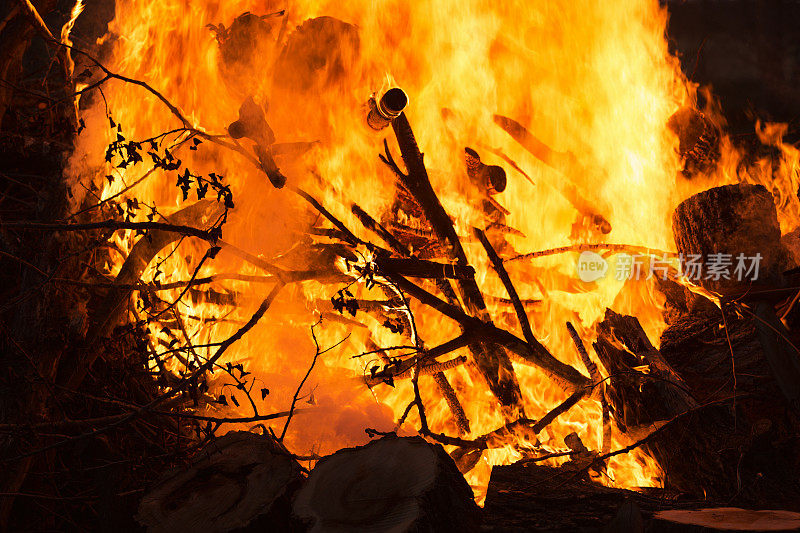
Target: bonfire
point(394, 267)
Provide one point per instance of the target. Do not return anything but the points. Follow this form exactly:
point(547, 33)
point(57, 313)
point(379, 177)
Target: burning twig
point(393, 372)
point(630, 248)
point(439, 378)
point(529, 428)
point(497, 263)
point(317, 353)
point(490, 360)
point(566, 376)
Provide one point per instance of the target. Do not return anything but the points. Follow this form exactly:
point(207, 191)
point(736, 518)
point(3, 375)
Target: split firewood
point(737, 220)
point(391, 484)
point(631, 360)
point(644, 390)
point(723, 519)
point(239, 480)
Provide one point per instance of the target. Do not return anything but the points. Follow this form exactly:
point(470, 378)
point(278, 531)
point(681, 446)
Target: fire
point(593, 81)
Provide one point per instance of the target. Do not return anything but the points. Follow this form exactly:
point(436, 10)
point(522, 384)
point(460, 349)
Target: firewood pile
point(716, 405)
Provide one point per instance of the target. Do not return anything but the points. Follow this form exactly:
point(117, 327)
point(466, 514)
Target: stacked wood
point(751, 451)
point(740, 357)
point(491, 359)
point(239, 480)
point(391, 484)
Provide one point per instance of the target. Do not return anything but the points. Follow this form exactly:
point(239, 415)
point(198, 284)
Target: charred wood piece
point(489, 178)
point(565, 163)
point(421, 268)
point(737, 220)
point(698, 139)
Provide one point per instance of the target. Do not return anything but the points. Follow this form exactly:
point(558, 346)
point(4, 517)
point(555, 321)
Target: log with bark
point(733, 220)
point(529, 497)
point(391, 484)
point(239, 480)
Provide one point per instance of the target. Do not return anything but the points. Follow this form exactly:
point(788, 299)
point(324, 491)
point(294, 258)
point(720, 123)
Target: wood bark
point(732, 220)
point(393, 484)
point(530, 497)
point(744, 448)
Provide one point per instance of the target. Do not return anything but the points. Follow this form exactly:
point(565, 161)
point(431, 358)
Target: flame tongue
point(591, 83)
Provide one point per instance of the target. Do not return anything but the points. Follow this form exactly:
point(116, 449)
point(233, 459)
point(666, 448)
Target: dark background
point(748, 51)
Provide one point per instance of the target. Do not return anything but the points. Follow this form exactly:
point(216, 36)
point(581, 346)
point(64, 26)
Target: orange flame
point(590, 79)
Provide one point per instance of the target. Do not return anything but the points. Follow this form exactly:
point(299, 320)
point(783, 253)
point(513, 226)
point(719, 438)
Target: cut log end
point(734, 220)
point(239, 480)
point(390, 484)
point(724, 519)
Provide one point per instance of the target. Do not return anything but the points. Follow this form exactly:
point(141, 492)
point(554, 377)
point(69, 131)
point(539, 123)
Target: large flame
point(593, 79)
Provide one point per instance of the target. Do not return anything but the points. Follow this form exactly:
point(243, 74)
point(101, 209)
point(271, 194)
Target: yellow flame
point(591, 79)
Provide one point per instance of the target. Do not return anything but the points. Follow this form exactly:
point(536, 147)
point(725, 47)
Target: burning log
point(722, 359)
point(240, 480)
point(391, 484)
point(737, 221)
point(643, 388)
point(645, 391)
point(698, 139)
point(388, 108)
point(528, 497)
point(420, 268)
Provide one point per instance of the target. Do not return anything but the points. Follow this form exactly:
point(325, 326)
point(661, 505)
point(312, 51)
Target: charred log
point(698, 139)
point(737, 221)
point(529, 497)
